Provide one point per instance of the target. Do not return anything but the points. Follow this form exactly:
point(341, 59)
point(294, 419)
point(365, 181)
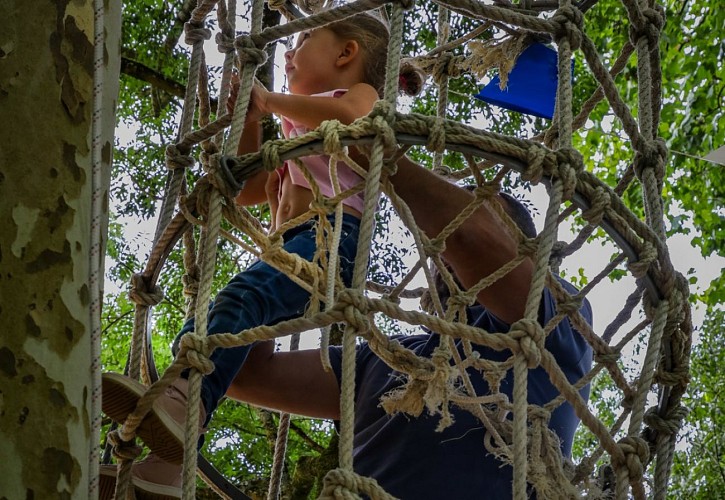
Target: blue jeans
point(262, 295)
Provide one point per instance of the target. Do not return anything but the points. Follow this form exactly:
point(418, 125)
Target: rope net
point(643, 433)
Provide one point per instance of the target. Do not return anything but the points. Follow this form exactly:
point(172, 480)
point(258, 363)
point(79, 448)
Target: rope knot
point(636, 455)
point(529, 247)
point(600, 202)
point(407, 4)
point(653, 156)
point(446, 64)
point(270, 156)
point(437, 135)
point(383, 109)
point(196, 351)
point(142, 293)
point(224, 43)
point(669, 424)
point(248, 52)
point(530, 335)
point(535, 156)
point(458, 300)
point(570, 162)
point(219, 176)
point(344, 484)
point(647, 256)
point(330, 132)
point(654, 22)
point(176, 159)
point(354, 308)
point(568, 22)
point(434, 247)
point(190, 281)
point(322, 206)
point(276, 4)
point(570, 306)
point(123, 450)
point(557, 255)
point(195, 33)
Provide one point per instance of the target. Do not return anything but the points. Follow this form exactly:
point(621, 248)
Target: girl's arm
point(253, 192)
point(313, 110)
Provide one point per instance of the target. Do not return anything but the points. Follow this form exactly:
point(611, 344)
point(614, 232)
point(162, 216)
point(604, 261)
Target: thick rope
point(528, 447)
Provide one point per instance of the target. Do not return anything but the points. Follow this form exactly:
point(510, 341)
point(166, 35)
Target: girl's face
point(311, 64)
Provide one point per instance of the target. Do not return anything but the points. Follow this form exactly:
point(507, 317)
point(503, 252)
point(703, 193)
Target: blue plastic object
point(531, 85)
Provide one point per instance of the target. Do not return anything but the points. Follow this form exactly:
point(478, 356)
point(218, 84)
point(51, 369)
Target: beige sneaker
point(152, 479)
point(163, 428)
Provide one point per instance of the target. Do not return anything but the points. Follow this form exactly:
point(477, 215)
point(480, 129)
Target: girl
point(334, 72)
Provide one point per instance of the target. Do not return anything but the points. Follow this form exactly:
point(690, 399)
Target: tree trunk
point(46, 107)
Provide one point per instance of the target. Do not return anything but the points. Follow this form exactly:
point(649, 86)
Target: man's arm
point(293, 382)
point(480, 246)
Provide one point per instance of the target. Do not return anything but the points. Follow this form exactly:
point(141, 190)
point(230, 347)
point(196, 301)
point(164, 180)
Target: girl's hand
point(257, 101)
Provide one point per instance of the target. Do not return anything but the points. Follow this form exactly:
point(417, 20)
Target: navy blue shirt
point(405, 454)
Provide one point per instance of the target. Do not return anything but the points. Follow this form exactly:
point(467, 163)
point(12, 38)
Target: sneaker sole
point(159, 431)
point(143, 489)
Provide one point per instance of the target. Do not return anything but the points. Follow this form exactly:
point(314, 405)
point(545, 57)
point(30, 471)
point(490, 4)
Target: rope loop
point(195, 33)
point(123, 450)
point(530, 335)
point(248, 52)
point(636, 455)
point(670, 424)
point(175, 158)
point(224, 43)
point(142, 294)
point(568, 22)
point(196, 351)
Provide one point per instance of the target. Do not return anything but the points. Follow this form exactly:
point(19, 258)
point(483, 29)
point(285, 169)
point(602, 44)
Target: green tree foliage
point(699, 471)
point(240, 440)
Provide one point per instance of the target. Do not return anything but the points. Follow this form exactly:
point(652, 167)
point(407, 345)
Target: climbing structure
point(643, 433)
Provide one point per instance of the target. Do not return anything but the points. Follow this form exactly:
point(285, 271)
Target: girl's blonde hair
point(372, 35)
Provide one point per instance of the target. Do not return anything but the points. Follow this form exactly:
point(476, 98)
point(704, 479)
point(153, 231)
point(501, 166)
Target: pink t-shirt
point(318, 165)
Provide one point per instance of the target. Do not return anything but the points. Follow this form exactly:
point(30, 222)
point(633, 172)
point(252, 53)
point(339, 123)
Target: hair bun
point(411, 78)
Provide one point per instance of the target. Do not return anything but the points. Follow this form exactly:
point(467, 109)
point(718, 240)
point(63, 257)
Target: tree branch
point(140, 71)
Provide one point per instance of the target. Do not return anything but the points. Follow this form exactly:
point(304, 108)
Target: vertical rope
point(372, 193)
point(95, 254)
point(442, 81)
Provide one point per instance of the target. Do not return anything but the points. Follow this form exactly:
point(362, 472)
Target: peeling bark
point(46, 100)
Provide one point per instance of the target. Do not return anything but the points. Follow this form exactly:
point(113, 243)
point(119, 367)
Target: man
point(406, 455)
